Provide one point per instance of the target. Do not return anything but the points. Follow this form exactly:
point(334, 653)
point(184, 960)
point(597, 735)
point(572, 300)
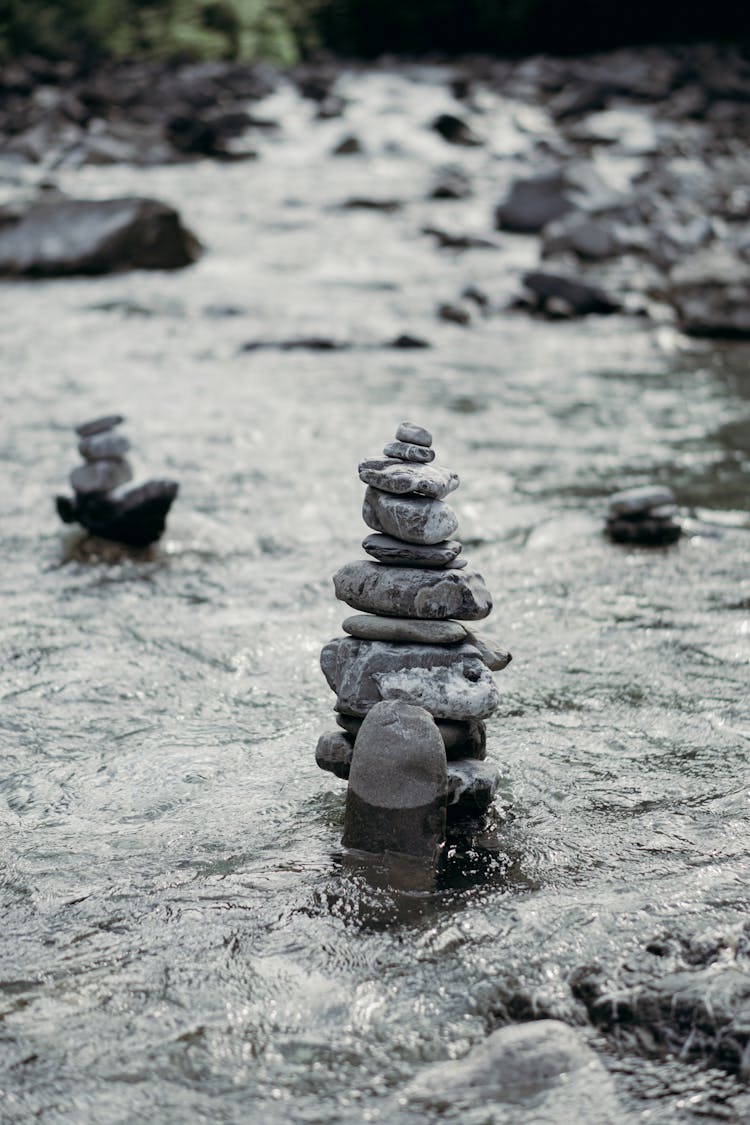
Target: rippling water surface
point(180, 939)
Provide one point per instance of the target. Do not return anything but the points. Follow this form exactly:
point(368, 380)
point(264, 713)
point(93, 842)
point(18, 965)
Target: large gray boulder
point(451, 681)
point(59, 237)
point(413, 592)
point(411, 518)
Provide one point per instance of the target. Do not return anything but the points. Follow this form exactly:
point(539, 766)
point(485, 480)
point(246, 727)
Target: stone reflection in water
point(413, 684)
point(136, 516)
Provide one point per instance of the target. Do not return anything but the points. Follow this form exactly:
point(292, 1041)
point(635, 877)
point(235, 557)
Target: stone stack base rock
point(413, 682)
point(133, 516)
point(643, 516)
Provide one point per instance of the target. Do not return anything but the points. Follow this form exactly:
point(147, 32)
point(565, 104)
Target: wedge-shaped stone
point(373, 628)
point(410, 592)
point(403, 477)
point(451, 682)
point(411, 518)
point(395, 552)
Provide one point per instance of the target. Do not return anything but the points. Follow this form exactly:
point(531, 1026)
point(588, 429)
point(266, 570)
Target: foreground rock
point(79, 236)
point(413, 519)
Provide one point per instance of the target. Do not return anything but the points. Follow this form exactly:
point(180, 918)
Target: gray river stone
point(404, 477)
point(544, 1068)
point(398, 591)
point(632, 501)
point(103, 446)
point(460, 739)
point(370, 627)
point(395, 552)
point(472, 783)
point(495, 658)
point(451, 682)
point(398, 783)
point(334, 752)
point(411, 518)
point(99, 425)
point(408, 451)
point(101, 476)
point(411, 432)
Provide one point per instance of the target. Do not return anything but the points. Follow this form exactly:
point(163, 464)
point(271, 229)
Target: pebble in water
point(410, 676)
point(643, 516)
point(135, 517)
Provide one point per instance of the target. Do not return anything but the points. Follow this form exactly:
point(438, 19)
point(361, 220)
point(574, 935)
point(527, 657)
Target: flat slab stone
point(460, 739)
point(391, 591)
point(403, 477)
point(411, 432)
point(99, 425)
point(101, 476)
point(371, 627)
point(472, 784)
point(398, 783)
point(103, 446)
point(395, 552)
point(407, 451)
point(451, 681)
point(414, 519)
point(633, 500)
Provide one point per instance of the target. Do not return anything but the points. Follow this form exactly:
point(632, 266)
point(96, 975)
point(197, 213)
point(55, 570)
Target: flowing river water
point(180, 941)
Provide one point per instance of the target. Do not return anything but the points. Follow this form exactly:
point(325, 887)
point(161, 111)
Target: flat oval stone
point(100, 476)
point(373, 628)
point(634, 500)
point(414, 434)
point(403, 477)
point(411, 518)
point(407, 451)
point(395, 552)
point(99, 425)
point(410, 592)
point(103, 446)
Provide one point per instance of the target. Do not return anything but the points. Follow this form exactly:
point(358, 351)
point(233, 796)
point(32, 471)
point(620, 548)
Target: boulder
point(78, 236)
point(413, 592)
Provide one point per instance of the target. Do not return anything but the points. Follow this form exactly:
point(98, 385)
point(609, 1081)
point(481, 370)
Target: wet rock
point(411, 432)
point(75, 236)
point(410, 518)
point(209, 133)
point(633, 501)
point(99, 425)
point(395, 552)
point(348, 146)
point(454, 130)
point(334, 753)
point(366, 203)
point(406, 341)
point(374, 628)
point(544, 1066)
point(583, 299)
point(447, 241)
point(588, 237)
point(101, 475)
point(408, 451)
point(643, 515)
point(412, 592)
point(137, 518)
point(451, 182)
point(533, 202)
point(401, 477)
point(645, 531)
point(397, 784)
point(460, 739)
point(103, 446)
point(451, 682)
point(495, 658)
point(454, 314)
point(472, 783)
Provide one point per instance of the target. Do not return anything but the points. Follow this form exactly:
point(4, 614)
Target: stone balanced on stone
point(413, 684)
point(643, 516)
point(135, 516)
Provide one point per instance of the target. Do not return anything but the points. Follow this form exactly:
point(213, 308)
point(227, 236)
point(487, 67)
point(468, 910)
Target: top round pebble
point(416, 435)
point(99, 425)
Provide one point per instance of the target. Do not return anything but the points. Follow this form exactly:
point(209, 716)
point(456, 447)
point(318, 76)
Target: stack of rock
point(413, 683)
point(644, 516)
point(134, 516)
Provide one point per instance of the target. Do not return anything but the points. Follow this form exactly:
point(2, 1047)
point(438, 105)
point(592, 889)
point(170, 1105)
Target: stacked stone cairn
point(643, 516)
point(133, 516)
point(413, 683)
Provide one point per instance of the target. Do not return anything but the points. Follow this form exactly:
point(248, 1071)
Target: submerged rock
point(395, 552)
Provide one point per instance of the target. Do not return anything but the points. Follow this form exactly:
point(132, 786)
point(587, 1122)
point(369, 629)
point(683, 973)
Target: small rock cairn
point(413, 684)
point(643, 516)
point(136, 516)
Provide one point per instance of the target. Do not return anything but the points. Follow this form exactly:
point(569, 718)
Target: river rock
point(544, 1069)
point(408, 451)
point(395, 552)
point(103, 446)
point(59, 237)
point(460, 739)
point(414, 519)
point(137, 518)
point(582, 299)
point(472, 784)
point(398, 781)
point(373, 628)
point(411, 432)
point(454, 130)
point(334, 753)
point(633, 501)
point(101, 476)
point(495, 658)
point(451, 682)
point(413, 592)
point(99, 425)
point(404, 477)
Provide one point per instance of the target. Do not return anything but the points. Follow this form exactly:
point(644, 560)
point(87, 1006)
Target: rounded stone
point(414, 434)
point(392, 591)
point(100, 476)
point(99, 425)
point(402, 477)
point(411, 518)
point(395, 552)
point(103, 446)
point(408, 451)
point(634, 500)
point(371, 627)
